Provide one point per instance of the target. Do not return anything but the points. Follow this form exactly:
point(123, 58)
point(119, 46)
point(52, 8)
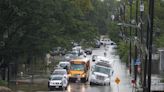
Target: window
point(77, 67)
point(59, 72)
point(56, 78)
point(102, 69)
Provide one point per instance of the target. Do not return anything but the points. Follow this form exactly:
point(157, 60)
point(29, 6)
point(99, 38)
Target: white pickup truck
point(101, 74)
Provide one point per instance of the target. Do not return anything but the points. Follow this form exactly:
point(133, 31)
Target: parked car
point(55, 51)
point(105, 41)
point(78, 49)
point(68, 56)
point(114, 45)
point(62, 72)
point(88, 51)
point(64, 65)
point(58, 51)
point(75, 53)
point(101, 74)
point(94, 58)
point(57, 81)
point(97, 44)
point(62, 51)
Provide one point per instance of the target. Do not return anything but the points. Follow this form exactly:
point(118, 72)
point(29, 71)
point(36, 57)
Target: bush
point(123, 50)
point(3, 83)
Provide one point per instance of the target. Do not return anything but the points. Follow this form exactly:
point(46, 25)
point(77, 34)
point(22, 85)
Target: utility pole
point(151, 14)
point(147, 38)
point(130, 44)
point(135, 65)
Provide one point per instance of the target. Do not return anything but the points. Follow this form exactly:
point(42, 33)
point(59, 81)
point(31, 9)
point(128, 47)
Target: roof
point(64, 62)
point(103, 64)
point(160, 49)
point(60, 70)
point(56, 76)
point(80, 59)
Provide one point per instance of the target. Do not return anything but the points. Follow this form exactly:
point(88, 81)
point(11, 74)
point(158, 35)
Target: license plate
point(56, 86)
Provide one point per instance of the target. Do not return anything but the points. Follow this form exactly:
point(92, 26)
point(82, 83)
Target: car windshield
point(77, 67)
point(102, 69)
point(56, 78)
point(63, 64)
point(74, 53)
point(94, 56)
point(59, 73)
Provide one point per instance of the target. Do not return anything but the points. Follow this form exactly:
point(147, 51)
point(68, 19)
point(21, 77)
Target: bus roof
point(81, 59)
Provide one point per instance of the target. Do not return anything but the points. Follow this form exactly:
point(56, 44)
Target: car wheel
point(109, 83)
point(50, 89)
point(84, 80)
point(91, 83)
point(66, 88)
point(87, 79)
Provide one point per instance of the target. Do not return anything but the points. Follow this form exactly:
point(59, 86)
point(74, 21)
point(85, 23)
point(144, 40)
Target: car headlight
point(107, 79)
point(69, 75)
point(83, 75)
point(51, 83)
point(65, 76)
point(93, 75)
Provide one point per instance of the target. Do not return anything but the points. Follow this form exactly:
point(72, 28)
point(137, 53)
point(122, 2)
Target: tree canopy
point(30, 28)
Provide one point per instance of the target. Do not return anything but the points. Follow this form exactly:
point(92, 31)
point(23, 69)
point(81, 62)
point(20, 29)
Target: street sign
point(117, 80)
point(137, 62)
point(141, 7)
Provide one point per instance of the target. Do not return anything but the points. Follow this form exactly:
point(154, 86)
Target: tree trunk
point(3, 73)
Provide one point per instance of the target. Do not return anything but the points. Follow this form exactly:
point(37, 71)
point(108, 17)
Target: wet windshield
point(77, 67)
point(102, 69)
point(59, 73)
point(63, 64)
point(56, 78)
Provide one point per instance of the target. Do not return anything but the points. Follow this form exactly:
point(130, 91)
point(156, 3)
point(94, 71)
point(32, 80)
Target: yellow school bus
point(79, 68)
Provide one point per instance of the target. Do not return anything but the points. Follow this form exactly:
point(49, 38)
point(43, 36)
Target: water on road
point(120, 71)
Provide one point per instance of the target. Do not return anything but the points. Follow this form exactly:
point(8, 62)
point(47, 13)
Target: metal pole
point(147, 38)
point(118, 88)
point(135, 66)
point(146, 60)
point(151, 13)
point(8, 74)
point(130, 45)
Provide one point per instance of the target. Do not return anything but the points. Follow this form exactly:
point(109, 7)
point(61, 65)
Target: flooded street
point(119, 68)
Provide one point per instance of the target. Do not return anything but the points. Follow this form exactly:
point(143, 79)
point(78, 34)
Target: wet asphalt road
point(120, 71)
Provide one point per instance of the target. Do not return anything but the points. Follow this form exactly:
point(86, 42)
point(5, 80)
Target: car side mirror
point(112, 73)
point(85, 55)
point(57, 65)
point(92, 68)
point(93, 60)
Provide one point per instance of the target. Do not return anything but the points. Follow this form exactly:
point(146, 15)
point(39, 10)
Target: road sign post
point(117, 81)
